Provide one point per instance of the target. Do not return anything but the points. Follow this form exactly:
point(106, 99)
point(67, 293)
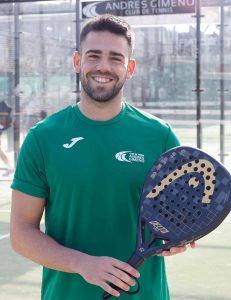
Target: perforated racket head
point(186, 195)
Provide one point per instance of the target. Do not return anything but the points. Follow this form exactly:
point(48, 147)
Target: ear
point(131, 68)
point(76, 61)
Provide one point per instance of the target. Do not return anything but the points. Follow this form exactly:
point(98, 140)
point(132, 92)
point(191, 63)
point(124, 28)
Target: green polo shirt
point(91, 174)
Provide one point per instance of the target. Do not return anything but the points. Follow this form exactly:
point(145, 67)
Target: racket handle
point(107, 295)
point(135, 260)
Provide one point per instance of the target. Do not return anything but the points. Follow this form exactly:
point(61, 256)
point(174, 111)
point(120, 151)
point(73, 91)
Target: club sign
point(137, 7)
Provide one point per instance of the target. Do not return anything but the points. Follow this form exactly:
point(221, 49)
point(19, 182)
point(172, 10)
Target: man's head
point(104, 60)
point(112, 24)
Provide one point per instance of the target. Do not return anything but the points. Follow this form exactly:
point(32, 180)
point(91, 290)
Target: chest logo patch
point(129, 157)
point(73, 142)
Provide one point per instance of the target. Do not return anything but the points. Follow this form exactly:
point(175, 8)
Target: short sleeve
point(172, 140)
point(30, 175)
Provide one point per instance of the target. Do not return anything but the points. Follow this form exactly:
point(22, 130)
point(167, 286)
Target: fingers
point(117, 282)
point(124, 277)
point(176, 250)
point(193, 244)
point(173, 251)
point(120, 277)
point(109, 289)
point(126, 267)
point(110, 274)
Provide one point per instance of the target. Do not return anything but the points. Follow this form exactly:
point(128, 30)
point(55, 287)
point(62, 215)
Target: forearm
point(28, 240)
point(32, 243)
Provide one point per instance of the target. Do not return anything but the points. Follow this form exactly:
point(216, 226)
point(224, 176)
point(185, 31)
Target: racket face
point(186, 195)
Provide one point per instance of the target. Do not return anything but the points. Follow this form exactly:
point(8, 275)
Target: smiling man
point(85, 166)
point(104, 64)
point(103, 72)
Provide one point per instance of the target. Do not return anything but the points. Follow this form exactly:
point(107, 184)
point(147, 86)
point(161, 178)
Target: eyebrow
point(112, 53)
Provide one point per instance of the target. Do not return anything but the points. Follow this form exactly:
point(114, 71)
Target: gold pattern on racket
point(202, 166)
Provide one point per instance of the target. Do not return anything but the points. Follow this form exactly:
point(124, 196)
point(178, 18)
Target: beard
point(100, 93)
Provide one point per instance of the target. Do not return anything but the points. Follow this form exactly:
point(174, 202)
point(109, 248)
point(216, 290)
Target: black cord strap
point(107, 295)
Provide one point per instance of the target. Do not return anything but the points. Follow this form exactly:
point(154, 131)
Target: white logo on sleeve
point(129, 156)
point(73, 142)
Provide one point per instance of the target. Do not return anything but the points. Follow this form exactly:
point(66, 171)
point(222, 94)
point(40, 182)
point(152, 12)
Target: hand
point(103, 271)
point(176, 250)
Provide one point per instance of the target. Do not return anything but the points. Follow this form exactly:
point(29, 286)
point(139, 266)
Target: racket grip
point(135, 260)
point(107, 295)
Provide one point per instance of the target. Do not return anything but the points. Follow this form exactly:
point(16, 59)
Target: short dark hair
point(112, 24)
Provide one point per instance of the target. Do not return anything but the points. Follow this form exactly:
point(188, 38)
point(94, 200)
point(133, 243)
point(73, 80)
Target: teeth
point(102, 79)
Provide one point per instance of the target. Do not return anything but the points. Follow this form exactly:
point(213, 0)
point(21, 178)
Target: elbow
point(21, 237)
point(17, 235)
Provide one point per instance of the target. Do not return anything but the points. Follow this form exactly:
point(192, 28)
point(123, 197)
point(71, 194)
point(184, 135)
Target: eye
point(116, 59)
point(93, 56)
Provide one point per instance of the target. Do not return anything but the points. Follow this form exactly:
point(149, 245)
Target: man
point(86, 165)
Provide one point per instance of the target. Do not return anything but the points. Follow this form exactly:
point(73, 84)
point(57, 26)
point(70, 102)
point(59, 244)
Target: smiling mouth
point(101, 80)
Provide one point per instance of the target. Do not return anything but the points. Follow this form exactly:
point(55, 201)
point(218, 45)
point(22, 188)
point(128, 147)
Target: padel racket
point(185, 196)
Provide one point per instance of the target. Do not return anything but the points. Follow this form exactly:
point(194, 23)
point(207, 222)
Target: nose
point(103, 66)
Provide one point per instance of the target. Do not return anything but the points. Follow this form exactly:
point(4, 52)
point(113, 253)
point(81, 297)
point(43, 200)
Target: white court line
point(4, 236)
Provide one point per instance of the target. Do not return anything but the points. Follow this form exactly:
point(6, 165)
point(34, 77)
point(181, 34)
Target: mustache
point(108, 74)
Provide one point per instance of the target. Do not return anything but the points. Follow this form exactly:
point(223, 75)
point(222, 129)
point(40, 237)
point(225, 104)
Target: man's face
point(104, 65)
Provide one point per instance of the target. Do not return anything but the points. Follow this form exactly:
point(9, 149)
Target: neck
point(100, 111)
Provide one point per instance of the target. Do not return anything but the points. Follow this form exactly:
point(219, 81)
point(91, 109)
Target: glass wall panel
point(36, 75)
point(7, 92)
point(165, 77)
point(37, 40)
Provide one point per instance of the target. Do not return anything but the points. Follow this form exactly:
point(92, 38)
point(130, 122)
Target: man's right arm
point(28, 240)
